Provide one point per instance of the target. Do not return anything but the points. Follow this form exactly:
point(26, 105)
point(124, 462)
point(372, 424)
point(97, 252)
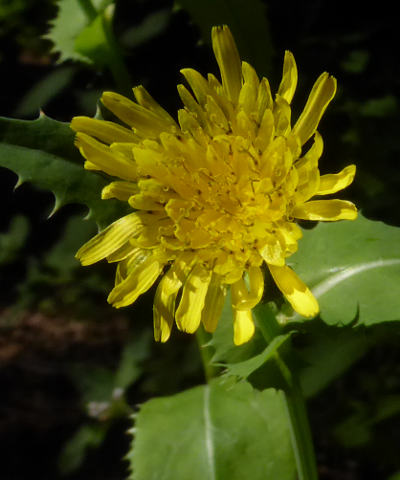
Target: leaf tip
point(58, 203)
point(19, 182)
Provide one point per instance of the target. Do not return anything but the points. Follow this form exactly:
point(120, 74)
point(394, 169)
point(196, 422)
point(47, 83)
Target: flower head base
point(215, 196)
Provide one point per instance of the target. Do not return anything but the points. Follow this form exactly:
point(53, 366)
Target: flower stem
point(113, 59)
point(116, 62)
point(299, 425)
point(294, 401)
point(210, 371)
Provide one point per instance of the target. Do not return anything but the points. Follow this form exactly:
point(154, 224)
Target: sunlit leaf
point(72, 18)
point(213, 432)
point(353, 268)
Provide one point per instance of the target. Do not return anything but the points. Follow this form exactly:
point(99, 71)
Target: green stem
point(295, 404)
point(116, 62)
point(210, 371)
point(299, 425)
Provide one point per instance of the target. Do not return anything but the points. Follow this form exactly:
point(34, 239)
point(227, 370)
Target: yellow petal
point(264, 98)
point(102, 158)
point(228, 60)
point(332, 183)
point(122, 253)
point(243, 326)
point(198, 84)
point(282, 115)
point(295, 291)
point(188, 314)
point(145, 122)
point(137, 282)
point(164, 304)
point(125, 148)
point(242, 299)
point(266, 131)
point(120, 190)
point(321, 94)
point(144, 98)
point(217, 116)
point(110, 239)
point(310, 158)
point(142, 201)
point(326, 210)
point(249, 91)
point(213, 304)
point(288, 83)
point(192, 106)
point(107, 132)
point(271, 251)
point(256, 279)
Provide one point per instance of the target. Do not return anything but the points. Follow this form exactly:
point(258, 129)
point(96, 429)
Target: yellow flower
point(215, 195)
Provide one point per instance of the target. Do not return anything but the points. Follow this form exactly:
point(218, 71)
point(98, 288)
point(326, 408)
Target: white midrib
point(209, 445)
point(333, 280)
point(343, 274)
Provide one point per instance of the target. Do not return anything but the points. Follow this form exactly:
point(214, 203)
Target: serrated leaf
point(213, 432)
point(42, 152)
point(43, 133)
point(353, 269)
point(72, 18)
point(247, 20)
point(244, 369)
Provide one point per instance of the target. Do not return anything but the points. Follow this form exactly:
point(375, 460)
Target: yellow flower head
point(215, 195)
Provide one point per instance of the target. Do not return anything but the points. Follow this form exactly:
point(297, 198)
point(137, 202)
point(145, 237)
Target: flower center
point(224, 199)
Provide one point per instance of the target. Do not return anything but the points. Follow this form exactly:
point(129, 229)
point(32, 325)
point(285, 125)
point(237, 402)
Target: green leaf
point(213, 432)
point(151, 26)
point(61, 257)
point(326, 353)
point(12, 241)
point(93, 43)
point(134, 352)
point(41, 151)
point(73, 454)
point(247, 21)
point(356, 61)
point(244, 369)
point(44, 133)
point(353, 269)
point(379, 107)
point(357, 429)
point(44, 91)
point(72, 18)
point(222, 340)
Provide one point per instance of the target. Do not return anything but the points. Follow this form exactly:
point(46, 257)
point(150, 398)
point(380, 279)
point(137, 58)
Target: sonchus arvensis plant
point(215, 194)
